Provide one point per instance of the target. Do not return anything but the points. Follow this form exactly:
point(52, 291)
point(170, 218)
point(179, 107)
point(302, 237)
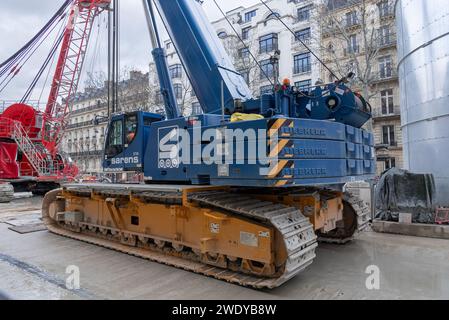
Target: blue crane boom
point(160, 59)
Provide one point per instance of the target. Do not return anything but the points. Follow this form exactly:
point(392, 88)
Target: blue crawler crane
point(243, 192)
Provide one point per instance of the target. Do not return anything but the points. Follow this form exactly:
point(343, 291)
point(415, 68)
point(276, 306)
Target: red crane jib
point(70, 61)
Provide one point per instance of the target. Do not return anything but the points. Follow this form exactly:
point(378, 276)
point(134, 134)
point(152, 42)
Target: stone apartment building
point(360, 36)
point(84, 138)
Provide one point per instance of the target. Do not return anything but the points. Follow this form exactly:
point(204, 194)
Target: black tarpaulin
point(402, 191)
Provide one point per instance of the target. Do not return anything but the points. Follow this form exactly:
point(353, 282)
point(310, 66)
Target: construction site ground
point(33, 265)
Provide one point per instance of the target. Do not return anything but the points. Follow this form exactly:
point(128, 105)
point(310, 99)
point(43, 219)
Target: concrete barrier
point(412, 229)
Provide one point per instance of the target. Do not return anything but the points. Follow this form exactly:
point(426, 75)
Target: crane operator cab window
point(130, 129)
point(115, 139)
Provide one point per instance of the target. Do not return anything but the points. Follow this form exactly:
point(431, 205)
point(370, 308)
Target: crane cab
point(126, 139)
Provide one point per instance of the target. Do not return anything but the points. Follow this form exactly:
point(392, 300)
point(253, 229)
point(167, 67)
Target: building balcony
point(80, 125)
point(388, 74)
point(95, 153)
point(387, 41)
point(351, 25)
point(378, 115)
point(341, 5)
point(87, 123)
point(88, 109)
point(297, 45)
point(327, 31)
point(392, 145)
point(301, 2)
point(386, 13)
point(351, 50)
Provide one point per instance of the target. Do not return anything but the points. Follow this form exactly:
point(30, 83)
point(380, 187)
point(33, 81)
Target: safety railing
point(27, 147)
point(37, 158)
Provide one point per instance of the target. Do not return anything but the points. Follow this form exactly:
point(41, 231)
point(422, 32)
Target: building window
point(301, 63)
point(244, 53)
point(304, 14)
point(196, 108)
point(168, 45)
point(268, 43)
point(222, 35)
point(178, 90)
point(245, 75)
point(303, 35)
point(351, 19)
point(159, 98)
point(388, 136)
point(352, 44)
point(385, 67)
point(387, 101)
point(245, 33)
point(304, 85)
point(266, 90)
point(268, 69)
point(389, 163)
point(385, 9)
point(385, 36)
point(351, 66)
point(250, 15)
point(175, 71)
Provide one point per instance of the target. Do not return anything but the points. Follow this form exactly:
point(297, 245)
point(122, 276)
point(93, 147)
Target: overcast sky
point(21, 19)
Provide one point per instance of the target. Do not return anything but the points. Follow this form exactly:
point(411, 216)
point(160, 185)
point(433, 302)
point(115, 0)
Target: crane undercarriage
point(251, 237)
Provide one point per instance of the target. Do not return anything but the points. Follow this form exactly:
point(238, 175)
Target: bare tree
point(183, 92)
point(134, 89)
point(135, 92)
point(95, 79)
point(246, 58)
point(185, 101)
point(353, 33)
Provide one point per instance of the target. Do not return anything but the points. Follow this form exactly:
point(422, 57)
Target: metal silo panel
point(423, 54)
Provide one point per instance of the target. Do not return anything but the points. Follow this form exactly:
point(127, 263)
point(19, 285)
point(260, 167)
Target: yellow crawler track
point(296, 231)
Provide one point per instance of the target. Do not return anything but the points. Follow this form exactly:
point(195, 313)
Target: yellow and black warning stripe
point(276, 170)
point(274, 126)
point(281, 145)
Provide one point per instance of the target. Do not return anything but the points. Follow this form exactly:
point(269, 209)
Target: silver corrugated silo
point(423, 45)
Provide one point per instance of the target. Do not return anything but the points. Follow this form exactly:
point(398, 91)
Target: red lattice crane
point(30, 139)
point(70, 62)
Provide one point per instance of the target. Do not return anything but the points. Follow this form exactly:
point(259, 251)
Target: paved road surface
point(33, 266)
